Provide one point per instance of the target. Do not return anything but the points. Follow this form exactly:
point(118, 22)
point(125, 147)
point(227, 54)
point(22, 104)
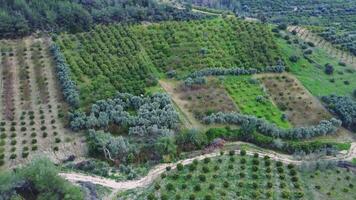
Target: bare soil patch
point(301, 108)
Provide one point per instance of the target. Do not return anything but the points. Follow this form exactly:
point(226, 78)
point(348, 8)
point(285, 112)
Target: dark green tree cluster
point(344, 108)
point(106, 60)
point(128, 58)
point(37, 180)
point(193, 45)
point(337, 19)
point(22, 17)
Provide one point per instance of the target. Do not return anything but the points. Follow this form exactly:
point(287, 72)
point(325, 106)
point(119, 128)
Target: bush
point(294, 58)
point(197, 188)
point(232, 152)
point(206, 160)
point(329, 69)
point(169, 187)
point(226, 184)
point(243, 152)
point(192, 197)
point(202, 177)
point(211, 186)
point(180, 166)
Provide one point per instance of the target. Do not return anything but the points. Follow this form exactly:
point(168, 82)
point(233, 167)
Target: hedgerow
point(63, 71)
point(251, 123)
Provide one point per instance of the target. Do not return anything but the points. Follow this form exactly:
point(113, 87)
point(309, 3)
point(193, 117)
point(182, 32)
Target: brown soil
point(291, 97)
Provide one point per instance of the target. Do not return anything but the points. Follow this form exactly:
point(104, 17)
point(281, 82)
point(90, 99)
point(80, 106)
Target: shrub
point(184, 186)
point(197, 188)
point(206, 160)
point(180, 166)
point(202, 177)
point(169, 187)
point(232, 152)
point(329, 69)
point(168, 168)
point(205, 169)
point(243, 152)
point(151, 196)
point(192, 197)
point(294, 58)
point(211, 186)
point(208, 197)
point(226, 184)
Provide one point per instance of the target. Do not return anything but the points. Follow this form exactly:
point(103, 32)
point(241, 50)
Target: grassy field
point(246, 177)
point(313, 76)
point(251, 99)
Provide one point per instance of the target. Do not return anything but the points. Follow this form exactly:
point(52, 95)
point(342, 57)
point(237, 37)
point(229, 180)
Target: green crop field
point(245, 177)
point(129, 58)
point(251, 99)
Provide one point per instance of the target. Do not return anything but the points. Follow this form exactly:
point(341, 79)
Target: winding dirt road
point(157, 171)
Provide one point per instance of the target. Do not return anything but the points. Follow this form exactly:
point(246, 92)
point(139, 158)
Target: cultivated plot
point(31, 108)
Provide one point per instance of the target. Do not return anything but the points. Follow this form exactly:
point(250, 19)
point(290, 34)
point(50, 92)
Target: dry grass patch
point(291, 97)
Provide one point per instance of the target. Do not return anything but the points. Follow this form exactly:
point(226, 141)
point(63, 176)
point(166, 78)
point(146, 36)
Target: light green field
point(244, 93)
point(314, 77)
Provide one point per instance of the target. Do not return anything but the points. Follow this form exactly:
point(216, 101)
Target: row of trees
point(344, 107)
point(22, 17)
point(198, 77)
point(63, 71)
point(251, 124)
point(235, 71)
point(197, 44)
point(151, 116)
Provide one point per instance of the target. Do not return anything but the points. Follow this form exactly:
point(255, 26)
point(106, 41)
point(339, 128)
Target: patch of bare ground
point(291, 97)
point(199, 101)
point(301, 107)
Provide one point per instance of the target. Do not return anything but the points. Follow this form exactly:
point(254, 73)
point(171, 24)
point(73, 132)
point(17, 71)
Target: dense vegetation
point(37, 180)
point(21, 17)
point(344, 108)
point(334, 20)
point(151, 116)
point(130, 58)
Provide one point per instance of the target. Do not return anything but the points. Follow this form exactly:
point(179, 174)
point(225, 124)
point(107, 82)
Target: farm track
point(308, 36)
point(188, 119)
point(159, 169)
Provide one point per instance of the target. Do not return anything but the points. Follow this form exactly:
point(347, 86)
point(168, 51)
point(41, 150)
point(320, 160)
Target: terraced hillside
point(335, 21)
point(130, 58)
point(31, 110)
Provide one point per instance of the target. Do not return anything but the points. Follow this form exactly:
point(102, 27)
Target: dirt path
point(158, 170)
point(187, 118)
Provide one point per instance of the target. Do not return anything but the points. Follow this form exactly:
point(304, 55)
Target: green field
point(245, 92)
point(129, 58)
point(313, 76)
point(246, 177)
